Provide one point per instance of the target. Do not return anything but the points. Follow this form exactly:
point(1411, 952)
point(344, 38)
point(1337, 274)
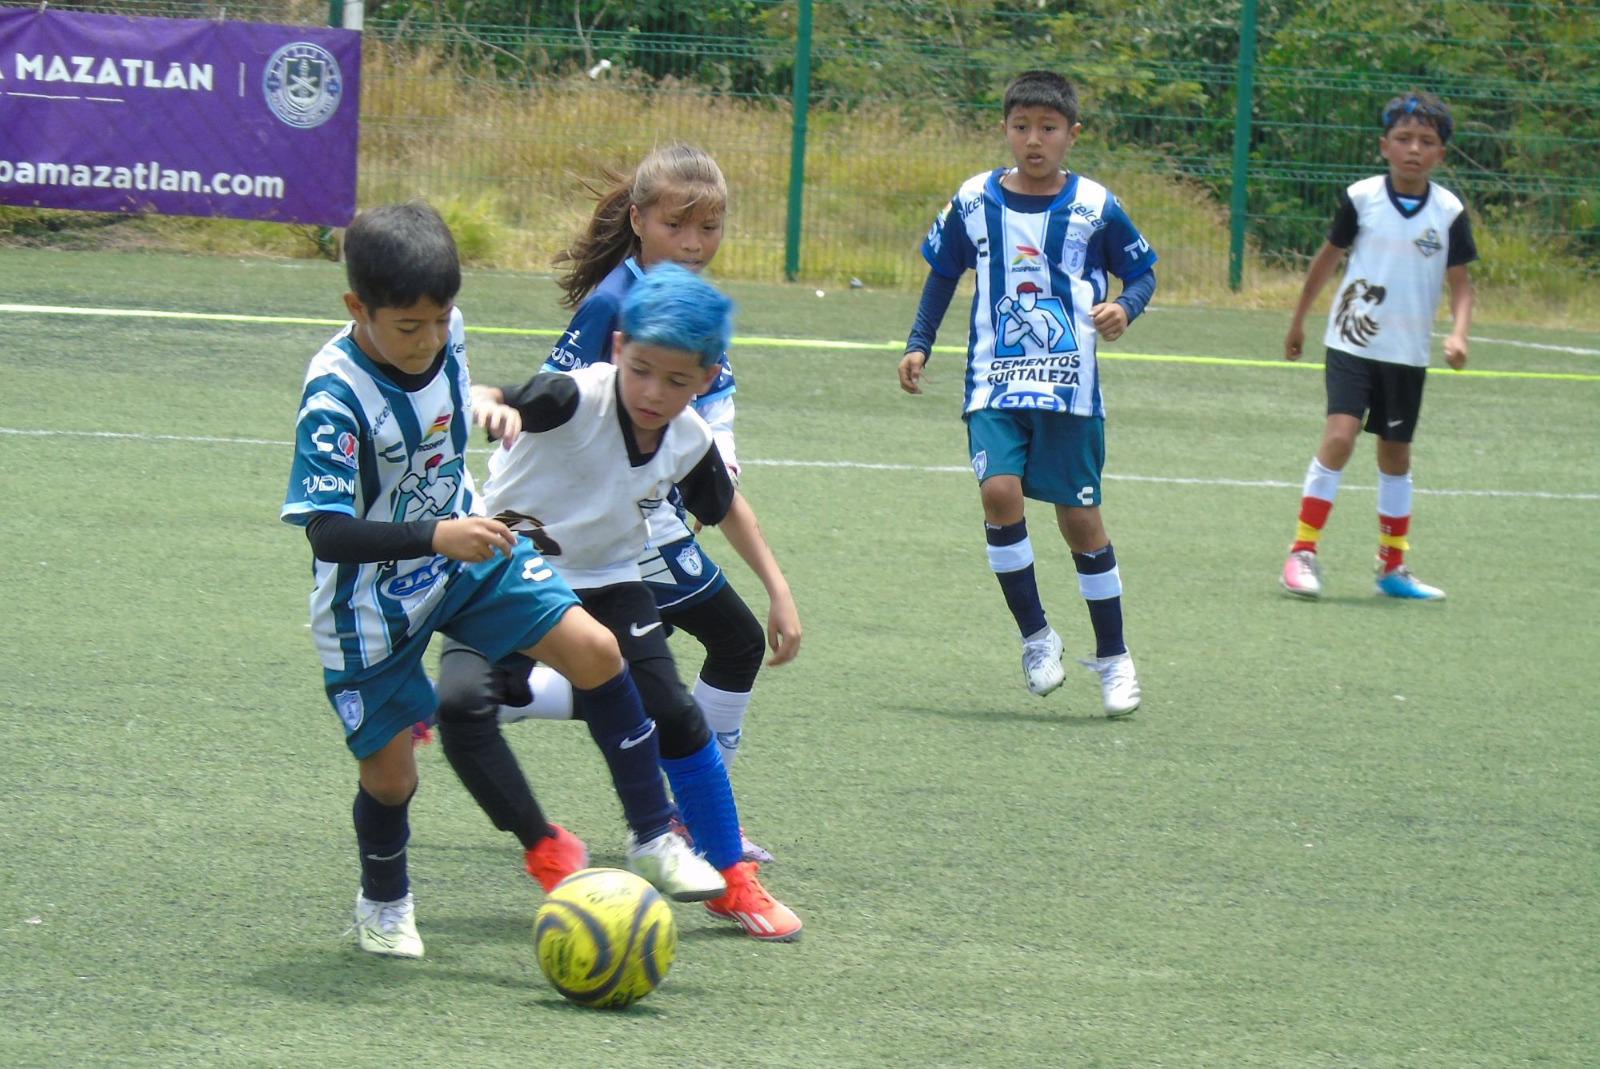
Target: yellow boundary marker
point(773, 343)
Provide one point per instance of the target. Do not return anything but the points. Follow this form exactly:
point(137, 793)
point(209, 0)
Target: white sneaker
point(388, 927)
point(1302, 575)
point(1119, 686)
point(1041, 662)
point(675, 869)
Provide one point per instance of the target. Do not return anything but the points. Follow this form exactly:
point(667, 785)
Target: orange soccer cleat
point(749, 904)
point(555, 857)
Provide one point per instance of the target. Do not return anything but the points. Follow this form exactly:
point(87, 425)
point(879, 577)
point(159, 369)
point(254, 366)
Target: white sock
point(552, 698)
point(724, 710)
point(1321, 481)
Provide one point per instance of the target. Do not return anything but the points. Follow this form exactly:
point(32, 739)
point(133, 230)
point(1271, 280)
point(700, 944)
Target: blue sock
point(1011, 557)
point(382, 832)
point(1100, 583)
point(632, 749)
point(700, 784)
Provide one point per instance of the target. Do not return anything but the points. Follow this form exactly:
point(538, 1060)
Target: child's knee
point(734, 657)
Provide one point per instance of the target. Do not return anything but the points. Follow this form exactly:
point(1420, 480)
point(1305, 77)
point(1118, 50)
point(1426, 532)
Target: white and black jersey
point(1399, 248)
point(576, 481)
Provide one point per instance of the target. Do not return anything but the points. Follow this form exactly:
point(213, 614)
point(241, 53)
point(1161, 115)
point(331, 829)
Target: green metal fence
point(843, 125)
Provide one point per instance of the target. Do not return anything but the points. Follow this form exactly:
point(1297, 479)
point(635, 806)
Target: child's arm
point(1111, 318)
point(783, 619)
point(1455, 344)
point(339, 538)
point(1323, 264)
point(936, 294)
point(541, 404)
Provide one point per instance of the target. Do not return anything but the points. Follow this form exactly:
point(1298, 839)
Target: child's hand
point(911, 366)
point(1110, 320)
point(1455, 351)
point(500, 420)
point(1294, 342)
point(783, 629)
point(472, 539)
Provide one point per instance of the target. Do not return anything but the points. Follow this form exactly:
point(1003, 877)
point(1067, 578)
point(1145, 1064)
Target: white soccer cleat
point(1041, 662)
point(1119, 685)
point(675, 870)
point(388, 928)
point(1302, 576)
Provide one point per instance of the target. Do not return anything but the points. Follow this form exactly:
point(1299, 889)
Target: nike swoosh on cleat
point(639, 632)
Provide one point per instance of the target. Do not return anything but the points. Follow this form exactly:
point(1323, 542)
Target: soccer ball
point(605, 938)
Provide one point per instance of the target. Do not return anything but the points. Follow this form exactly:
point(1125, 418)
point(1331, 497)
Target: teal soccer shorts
point(497, 607)
point(1058, 457)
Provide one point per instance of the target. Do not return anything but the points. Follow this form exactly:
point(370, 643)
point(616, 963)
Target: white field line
point(848, 465)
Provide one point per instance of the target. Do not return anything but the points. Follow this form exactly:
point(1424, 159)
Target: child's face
point(1040, 139)
point(404, 338)
point(656, 383)
point(1413, 150)
point(670, 230)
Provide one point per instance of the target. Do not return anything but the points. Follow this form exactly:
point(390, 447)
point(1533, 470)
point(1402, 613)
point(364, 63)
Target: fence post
point(797, 146)
point(1239, 201)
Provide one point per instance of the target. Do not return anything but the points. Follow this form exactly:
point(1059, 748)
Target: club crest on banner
point(303, 84)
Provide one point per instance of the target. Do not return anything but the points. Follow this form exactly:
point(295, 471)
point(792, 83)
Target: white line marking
point(851, 465)
point(1529, 345)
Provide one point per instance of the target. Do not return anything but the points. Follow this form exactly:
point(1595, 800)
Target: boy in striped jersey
point(1406, 236)
point(1043, 243)
point(403, 549)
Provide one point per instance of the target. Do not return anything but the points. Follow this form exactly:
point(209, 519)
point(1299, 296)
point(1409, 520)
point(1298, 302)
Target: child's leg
point(734, 643)
point(388, 779)
point(1394, 503)
point(478, 752)
point(1099, 579)
point(1321, 484)
point(1011, 551)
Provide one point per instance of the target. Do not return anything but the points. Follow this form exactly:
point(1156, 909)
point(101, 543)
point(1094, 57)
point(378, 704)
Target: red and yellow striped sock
point(1313, 517)
point(1392, 544)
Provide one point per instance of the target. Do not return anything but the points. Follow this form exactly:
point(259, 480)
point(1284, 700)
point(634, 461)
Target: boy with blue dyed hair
point(402, 549)
point(587, 456)
point(1044, 244)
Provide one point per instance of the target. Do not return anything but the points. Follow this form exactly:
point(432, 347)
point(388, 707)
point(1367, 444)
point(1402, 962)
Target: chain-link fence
point(498, 109)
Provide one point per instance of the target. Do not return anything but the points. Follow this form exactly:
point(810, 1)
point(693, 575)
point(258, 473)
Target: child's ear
point(357, 310)
point(617, 338)
point(635, 221)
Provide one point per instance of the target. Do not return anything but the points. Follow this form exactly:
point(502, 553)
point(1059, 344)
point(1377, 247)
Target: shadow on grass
point(1046, 713)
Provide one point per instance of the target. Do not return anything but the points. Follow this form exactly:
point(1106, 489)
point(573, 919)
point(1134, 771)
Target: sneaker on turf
point(749, 849)
point(669, 863)
point(749, 904)
point(1041, 662)
point(1119, 686)
point(388, 927)
point(555, 857)
point(1400, 583)
point(1302, 575)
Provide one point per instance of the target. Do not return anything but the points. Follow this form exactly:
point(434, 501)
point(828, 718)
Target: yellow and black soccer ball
point(605, 938)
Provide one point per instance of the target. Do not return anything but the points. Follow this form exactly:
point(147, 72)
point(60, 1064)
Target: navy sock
point(1100, 582)
point(382, 832)
point(1011, 557)
point(705, 797)
point(632, 749)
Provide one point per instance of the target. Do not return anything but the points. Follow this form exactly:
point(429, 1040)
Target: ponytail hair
point(675, 169)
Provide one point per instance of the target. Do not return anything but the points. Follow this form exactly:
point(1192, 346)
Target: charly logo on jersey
point(690, 561)
point(1027, 259)
point(1356, 305)
point(341, 449)
point(1429, 242)
point(1032, 324)
point(303, 84)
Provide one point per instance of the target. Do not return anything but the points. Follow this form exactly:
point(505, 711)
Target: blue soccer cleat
point(1400, 583)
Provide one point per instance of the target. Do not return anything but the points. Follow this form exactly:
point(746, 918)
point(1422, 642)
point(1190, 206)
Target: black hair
point(1421, 107)
point(1042, 89)
point(397, 254)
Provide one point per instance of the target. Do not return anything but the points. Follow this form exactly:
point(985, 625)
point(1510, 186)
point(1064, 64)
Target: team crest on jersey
point(1429, 242)
point(690, 561)
point(1074, 255)
point(1354, 317)
point(1027, 259)
point(303, 84)
point(1032, 324)
point(351, 709)
point(980, 463)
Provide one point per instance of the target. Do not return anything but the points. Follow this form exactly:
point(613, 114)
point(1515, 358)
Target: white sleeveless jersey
point(366, 448)
point(1031, 340)
point(1387, 303)
point(577, 486)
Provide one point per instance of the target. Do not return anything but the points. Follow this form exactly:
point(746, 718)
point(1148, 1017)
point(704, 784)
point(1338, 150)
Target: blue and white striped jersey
point(1031, 341)
point(367, 448)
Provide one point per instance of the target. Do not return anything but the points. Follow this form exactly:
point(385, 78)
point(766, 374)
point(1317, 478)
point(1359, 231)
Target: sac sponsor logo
point(410, 584)
point(1041, 402)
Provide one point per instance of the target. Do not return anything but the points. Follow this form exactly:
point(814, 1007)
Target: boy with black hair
point(1406, 236)
point(1043, 243)
point(402, 549)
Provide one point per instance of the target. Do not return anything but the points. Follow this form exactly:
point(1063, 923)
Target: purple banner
point(178, 116)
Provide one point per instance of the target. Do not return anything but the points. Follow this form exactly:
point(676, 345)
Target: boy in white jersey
point(589, 455)
point(402, 549)
point(1043, 243)
point(1406, 237)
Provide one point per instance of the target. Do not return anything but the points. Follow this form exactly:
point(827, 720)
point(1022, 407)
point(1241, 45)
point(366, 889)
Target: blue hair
point(675, 308)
